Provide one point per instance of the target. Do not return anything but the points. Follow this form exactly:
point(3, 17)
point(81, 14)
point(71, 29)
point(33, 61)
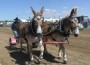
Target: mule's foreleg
point(45, 48)
point(64, 54)
point(41, 49)
point(21, 41)
point(60, 52)
point(30, 50)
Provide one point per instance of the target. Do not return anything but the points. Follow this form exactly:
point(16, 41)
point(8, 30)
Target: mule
point(31, 32)
point(61, 31)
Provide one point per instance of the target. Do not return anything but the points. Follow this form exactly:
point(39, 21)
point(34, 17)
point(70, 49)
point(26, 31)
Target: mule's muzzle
point(75, 35)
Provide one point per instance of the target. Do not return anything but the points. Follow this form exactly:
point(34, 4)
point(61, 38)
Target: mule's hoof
point(64, 62)
point(59, 58)
point(32, 63)
point(40, 60)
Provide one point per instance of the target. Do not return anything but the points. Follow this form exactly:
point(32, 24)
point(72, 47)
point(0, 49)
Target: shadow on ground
point(23, 58)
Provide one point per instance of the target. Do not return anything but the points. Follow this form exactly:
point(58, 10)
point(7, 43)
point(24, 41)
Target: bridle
point(33, 27)
point(60, 26)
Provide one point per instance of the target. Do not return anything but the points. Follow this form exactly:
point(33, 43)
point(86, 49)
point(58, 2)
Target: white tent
point(51, 20)
point(23, 20)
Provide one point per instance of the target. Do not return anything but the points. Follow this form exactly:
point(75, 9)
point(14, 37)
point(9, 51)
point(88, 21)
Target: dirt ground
point(78, 51)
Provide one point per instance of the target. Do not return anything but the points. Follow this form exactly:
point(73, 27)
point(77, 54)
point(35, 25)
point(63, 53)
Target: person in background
point(15, 27)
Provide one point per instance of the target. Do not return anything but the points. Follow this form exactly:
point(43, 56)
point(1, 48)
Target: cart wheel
point(11, 46)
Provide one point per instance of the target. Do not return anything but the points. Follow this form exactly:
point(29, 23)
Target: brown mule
point(60, 31)
point(32, 32)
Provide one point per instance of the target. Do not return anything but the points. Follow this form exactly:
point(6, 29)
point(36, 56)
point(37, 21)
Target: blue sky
point(9, 9)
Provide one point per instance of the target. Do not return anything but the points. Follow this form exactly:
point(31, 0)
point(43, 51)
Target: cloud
point(64, 7)
point(49, 13)
point(79, 8)
point(47, 10)
point(65, 12)
point(53, 10)
point(54, 13)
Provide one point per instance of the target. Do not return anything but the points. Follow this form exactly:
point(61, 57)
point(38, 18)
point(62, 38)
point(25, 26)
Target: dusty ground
point(78, 51)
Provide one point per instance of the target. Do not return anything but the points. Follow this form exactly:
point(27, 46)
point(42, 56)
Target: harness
point(61, 30)
point(29, 29)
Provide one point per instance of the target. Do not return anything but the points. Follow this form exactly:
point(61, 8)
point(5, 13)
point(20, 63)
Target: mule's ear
point(73, 12)
point(41, 11)
point(34, 12)
point(76, 11)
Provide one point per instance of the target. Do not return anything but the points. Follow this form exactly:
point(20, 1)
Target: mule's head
point(71, 23)
point(37, 20)
point(74, 22)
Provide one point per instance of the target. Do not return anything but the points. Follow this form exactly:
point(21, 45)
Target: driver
point(15, 27)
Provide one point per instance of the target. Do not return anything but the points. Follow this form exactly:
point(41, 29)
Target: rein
point(50, 32)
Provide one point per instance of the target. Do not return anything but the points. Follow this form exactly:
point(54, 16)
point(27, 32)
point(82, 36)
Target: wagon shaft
point(54, 42)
